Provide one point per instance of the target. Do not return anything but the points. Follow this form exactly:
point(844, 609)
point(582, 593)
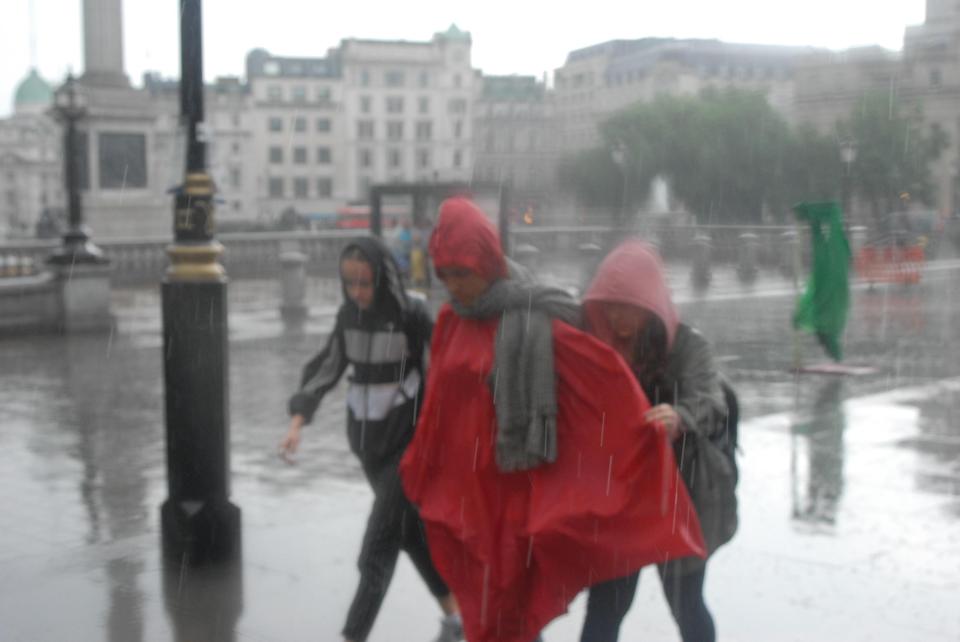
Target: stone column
point(84, 297)
point(293, 287)
point(103, 43)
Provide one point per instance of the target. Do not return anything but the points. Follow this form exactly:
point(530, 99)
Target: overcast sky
point(508, 36)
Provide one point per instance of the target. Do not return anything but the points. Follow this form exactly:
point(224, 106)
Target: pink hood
point(633, 274)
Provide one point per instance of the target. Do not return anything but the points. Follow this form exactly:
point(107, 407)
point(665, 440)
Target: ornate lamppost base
point(200, 532)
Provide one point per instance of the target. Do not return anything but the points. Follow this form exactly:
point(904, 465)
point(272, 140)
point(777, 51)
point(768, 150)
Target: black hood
point(391, 296)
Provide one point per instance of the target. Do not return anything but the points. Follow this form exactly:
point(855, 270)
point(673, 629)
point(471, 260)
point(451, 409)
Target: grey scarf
point(523, 381)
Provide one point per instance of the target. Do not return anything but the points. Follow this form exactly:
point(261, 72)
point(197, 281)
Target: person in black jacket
point(383, 334)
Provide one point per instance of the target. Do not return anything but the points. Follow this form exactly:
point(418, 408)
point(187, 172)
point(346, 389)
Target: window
point(424, 78)
point(365, 129)
point(394, 104)
point(423, 159)
point(324, 187)
point(274, 93)
point(235, 148)
point(235, 177)
point(393, 78)
point(423, 105)
point(323, 124)
point(365, 103)
point(123, 160)
point(323, 155)
point(458, 129)
point(276, 154)
point(300, 187)
point(235, 121)
point(457, 158)
point(936, 78)
point(457, 106)
point(299, 124)
point(275, 124)
point(299, 94)
point(275, 186)
point(394, 158)
point(457, 81)
point(323, 94)
point(300, 155)
point(366, 158)
point(424, 130)
point(365, 78)
point(395, 130)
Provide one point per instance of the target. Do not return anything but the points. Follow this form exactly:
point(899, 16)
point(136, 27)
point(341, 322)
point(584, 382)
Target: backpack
point(729, 442)
point(713, 475)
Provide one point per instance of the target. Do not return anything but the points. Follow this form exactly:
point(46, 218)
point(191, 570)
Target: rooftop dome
point(33, 90)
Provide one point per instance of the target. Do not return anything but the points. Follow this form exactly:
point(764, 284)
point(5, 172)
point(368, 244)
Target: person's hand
point(290, 442)
point(666, 416)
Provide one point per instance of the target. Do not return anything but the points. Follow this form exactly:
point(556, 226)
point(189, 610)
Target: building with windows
point(370, 111)
point(30, 160)
point(512, 140)
point(925, 75)
point(296, 122)
point(407, 110)
point(597, 81)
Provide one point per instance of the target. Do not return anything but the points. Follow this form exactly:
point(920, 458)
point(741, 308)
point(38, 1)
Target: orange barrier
point(890, 264)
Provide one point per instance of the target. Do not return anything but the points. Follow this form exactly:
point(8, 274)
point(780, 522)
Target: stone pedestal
point(84, 297)
point(748, 257)
point(528, 256)
point(858, 238)
point(590, 256)
point(293, 287)
point(789, 254)
point(701, 271)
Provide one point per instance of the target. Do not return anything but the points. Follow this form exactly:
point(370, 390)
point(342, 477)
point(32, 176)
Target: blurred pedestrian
point(628, 306)
point(383, 334)
point(401, 243)
point(525, 462)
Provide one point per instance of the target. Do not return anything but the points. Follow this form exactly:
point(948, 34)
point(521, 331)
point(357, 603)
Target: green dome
point(454, 33)
point(33, 90)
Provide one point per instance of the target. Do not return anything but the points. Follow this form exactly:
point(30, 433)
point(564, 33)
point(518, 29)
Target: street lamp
point(848, 154)
point(69, 108)
point(619, 154)
point(198, 521)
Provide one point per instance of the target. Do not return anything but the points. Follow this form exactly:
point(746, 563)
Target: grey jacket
point(692, 384)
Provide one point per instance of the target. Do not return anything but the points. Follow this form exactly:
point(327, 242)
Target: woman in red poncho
point(532, 467)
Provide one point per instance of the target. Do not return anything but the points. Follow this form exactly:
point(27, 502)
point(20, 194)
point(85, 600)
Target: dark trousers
point(393, 525)
point(609, 602)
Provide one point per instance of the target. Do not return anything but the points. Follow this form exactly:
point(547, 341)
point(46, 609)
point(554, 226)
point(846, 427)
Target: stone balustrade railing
point(136, 261)
point(257, 255)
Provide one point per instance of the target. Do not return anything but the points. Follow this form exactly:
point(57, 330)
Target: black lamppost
point(69, 108)
point(619, 155)
point(848, 154)
point(198, 521)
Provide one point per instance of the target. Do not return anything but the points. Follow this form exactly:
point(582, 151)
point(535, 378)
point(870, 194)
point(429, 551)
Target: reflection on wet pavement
point(850, 488)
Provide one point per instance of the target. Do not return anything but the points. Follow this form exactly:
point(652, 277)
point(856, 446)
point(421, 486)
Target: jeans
point(608, 603)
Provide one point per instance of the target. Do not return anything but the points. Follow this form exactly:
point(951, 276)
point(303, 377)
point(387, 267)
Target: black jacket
point(385, 345)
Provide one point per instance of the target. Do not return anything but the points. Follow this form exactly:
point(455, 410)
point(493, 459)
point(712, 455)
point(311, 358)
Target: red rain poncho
point(516, 548)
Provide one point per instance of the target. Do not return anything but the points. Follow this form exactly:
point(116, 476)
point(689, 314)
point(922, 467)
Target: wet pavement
point(850, 487)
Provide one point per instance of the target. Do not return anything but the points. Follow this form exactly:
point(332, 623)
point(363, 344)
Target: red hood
point(633, 274)
point(465, 237)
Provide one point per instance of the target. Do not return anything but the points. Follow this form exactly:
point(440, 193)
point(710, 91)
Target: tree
point(598, 181)
point(722, 151)
point(893, 153)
